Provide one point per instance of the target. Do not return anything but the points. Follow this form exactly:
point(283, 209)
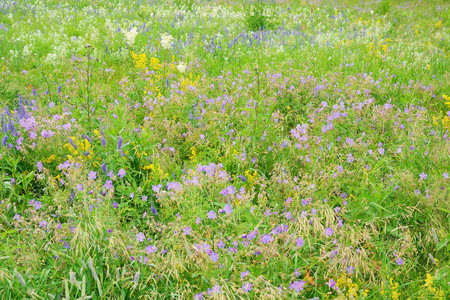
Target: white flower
point(166, 40)
point(181, 67)
point(131, 35)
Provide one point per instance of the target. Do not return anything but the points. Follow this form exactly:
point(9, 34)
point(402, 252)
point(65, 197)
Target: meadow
point(225, 149)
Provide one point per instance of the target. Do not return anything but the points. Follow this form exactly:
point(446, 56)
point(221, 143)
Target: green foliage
point(383, 7)
point(260, 16)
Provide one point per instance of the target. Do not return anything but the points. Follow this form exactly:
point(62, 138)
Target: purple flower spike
point(119, 144)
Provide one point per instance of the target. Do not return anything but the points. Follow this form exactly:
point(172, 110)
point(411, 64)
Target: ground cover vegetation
point(224, 149)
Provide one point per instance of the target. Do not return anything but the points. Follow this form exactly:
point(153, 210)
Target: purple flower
point(228, 209)
point(187, 230)
point(144, 198)
point(247, 287)
point(153, 209)
point(297, 285)
point(119, 143)
point(108, 185)
point(92, 175)
point(423, 176)
point(140, 237)
point(300, 242)
point(215, 290)
point(331, 284)
point(39, 166)
point(110, 174)
point(115, 204)
point(211, 215)
point(17, 217)
point(399, 261)
point(151, 249)
point(340, 169)
point(43, 223)
point(350, 158)
point(198, 296)
point(121, 173)
point(131, 195)
point(267, 238)
point(37, 205)
point(79, 187)
point(328, 231)
point(445, 175)
point(214, 256)
point(243, 274)
point(297, 273)
point(350, 269)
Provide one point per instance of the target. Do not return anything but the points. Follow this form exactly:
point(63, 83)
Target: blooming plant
point(232, 150)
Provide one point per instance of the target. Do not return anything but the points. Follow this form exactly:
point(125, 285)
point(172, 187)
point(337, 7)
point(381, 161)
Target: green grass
point(306, 143)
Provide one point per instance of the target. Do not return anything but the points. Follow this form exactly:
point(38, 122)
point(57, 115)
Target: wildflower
point(350, 158)
point(297, 273)
point(243, 274)
point(211, 215)
point(80, 187)
point(17, 217)
point(331, 284)
point(247, 287)
point(328, 231)
point(153, 209)
point(228, 209)
point(423, 176)
point(215, 290)
point(267, 238)
point(115, 204)
point(399, 261)
point(119, 143)
point(131, 35)
point(350, 269)
point(151, 249)
point(300, 242)
point(445, 175)
point(131, 195)
point(166, 41)
point(214, 256)
point(221, 245)
point(43, 223)
point(108, 185)
point(187, 230)
point(39, 166)
point(110, 174)
point(37, 205)
point(92, 175)
point(144, 198)
point(181, 67)
point(121, 173)
point(140, 237)
point(198, 296)
point(297, 285)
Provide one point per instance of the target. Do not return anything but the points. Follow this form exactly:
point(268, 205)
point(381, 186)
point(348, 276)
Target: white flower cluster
point(166, 41)
point(131, 36)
